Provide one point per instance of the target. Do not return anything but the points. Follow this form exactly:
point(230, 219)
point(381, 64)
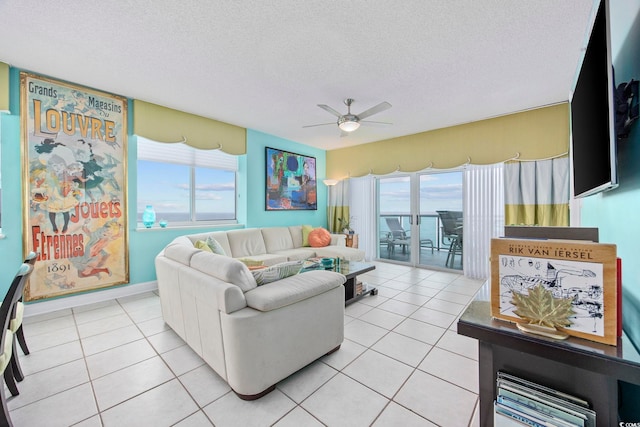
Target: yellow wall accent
point(164, 124)
point(4, 87)
point(535, 134)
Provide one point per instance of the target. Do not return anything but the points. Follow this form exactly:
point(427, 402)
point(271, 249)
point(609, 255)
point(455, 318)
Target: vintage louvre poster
point(583, 272)
point(74, 146)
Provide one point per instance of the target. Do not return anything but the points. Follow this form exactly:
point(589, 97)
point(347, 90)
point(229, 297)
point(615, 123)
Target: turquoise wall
point(145, 244)
point(615, 212)
point(257, 216)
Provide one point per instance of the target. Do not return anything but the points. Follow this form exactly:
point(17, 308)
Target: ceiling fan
point(350, 122)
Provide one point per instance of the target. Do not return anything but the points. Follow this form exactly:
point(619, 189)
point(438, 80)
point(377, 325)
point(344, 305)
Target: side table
point(351, 240)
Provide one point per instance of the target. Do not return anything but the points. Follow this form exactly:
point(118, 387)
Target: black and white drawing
point(579, 281)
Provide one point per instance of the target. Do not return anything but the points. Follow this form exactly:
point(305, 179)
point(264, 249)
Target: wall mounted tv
point(593, 148)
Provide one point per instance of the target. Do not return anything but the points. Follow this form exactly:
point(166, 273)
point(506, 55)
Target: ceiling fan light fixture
point(348, 124)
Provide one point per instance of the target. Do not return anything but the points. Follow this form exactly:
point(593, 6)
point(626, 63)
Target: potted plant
point(345, 225)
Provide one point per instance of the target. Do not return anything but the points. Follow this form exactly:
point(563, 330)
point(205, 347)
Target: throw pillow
point(277, 272)
point(251, 262)
point(201, 244)
point(215, 246)
point(306, 229)
point(319, 238)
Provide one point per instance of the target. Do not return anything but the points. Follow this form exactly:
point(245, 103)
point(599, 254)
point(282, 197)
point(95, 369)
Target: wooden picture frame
point(580, 270)
point(290, 181)
point(74, 154)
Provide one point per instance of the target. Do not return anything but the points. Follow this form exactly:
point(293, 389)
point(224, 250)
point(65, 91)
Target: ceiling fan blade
point(379, 123)
point(329, 109)
point(319, 124)
point(373, 110)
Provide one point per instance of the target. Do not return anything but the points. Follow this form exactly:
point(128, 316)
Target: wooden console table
point(351, 240)
point(599, 373)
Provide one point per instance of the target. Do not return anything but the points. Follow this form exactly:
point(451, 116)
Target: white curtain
point(362, 206)
point(483, 216)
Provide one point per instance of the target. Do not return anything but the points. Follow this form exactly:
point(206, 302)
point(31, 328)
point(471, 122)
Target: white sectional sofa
point(252, 336)
point(273, 245)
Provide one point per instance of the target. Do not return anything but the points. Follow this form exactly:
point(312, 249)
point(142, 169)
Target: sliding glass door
point(420, 219)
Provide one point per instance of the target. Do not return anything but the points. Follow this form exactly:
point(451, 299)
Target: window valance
point(182, 154)
point(167, 125)
point(4, 87)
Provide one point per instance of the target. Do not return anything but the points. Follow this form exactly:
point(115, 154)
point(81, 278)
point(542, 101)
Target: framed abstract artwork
point(74, 146)
point(291, 181)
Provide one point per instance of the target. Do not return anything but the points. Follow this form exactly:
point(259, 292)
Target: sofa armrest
point(293, 289)
point(338, 240)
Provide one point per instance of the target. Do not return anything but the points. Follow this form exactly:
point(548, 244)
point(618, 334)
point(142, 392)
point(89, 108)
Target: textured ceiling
point(265, 65)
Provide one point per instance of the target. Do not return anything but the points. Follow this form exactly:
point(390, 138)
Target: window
point(184, 184)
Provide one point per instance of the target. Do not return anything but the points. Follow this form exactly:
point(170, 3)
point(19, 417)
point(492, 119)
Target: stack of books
point(520, 402)
point(359, 288)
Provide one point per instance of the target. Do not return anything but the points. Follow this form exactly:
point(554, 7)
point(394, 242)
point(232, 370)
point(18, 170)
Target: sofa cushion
point(293, 289)
point(306, 229)
point(276, 239)
point(180, 252)
point(251, 262)
point(319, 237)
point(220, 236)
point(246, 243)
point(342, 252)
point(224, 268)
point(276, 272)
point(215, 246)
point(202, 245)
point(298, 254)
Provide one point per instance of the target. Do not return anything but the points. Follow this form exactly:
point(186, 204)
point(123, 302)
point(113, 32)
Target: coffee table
point(350, 269)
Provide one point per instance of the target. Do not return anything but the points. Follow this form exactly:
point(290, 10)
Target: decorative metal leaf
point(541, 308)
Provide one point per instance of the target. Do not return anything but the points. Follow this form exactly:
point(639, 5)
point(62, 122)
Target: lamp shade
point(330, 182)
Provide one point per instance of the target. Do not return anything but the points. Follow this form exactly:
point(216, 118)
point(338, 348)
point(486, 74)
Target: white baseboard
point(36, 308)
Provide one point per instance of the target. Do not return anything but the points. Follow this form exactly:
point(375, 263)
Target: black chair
point(452, 231)
point(15, 325)
point(14, 294)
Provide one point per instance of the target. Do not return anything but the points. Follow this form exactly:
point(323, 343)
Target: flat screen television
point(593, 148)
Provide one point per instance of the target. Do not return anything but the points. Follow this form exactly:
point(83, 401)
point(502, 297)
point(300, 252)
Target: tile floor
point(117, 364)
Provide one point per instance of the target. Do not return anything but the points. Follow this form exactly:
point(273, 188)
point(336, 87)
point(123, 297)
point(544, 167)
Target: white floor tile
point(347, 353)
point(452, 367)
point(90, 422)
point(453, 296)
point(162, 406)
point(182, 359)
point(50, 357)
point(379, 372)
point(395, 415)
point(94, 306)
point(401, 308)
point(382, 318)
point(356, 309)
point(31, 319)
point(412, 298)
point(62, 409)
point(399, 347)
point(363, 333)
point(231, 411)
point(108, 340)
point(298, 418)
point(121, 385)
point(345, 402)
point(199, 419)
point(34, 327)
point(445, 306)
point(303, 383)
point(438, 318)
point(153, 326)
point(101, 326)
point(420, 331)
point(423, 290)
point(49, 382)
point(459, 344)
point(437, 400)
point(204, 385)
point(165, 341)
point(49, 339)
point(146, 313)
point(98, 313)
point(387, 292)
point(120, 357)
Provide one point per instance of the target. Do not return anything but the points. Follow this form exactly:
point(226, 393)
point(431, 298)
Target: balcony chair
point(452, 231)
point(399, 236)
